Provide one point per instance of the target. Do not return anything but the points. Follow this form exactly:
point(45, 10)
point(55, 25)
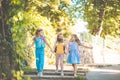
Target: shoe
point(56, 71)
point(62, 73)
point(40, 74)
point(75, 75)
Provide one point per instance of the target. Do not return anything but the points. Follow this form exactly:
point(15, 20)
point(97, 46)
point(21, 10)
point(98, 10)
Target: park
point(93, 24)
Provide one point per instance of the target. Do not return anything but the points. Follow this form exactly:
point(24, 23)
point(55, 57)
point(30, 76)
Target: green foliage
point(101, 15)
point(4, 76)
point(23, 18)
point(17, 74)
point(25, 24)
point(36, 14)
point(27, 78)
point(93, 12)
point(80, 77)
point(29, 70)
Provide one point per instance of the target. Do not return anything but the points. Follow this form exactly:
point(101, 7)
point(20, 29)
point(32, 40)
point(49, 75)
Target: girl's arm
point(79, 49)
point(68, 48)
point(32, 43)
point(86, 46)
point(54, 45)
point(48, 44)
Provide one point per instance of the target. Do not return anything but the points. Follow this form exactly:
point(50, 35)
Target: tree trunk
point(100, 22)
point(102, 10)
point(7, 53)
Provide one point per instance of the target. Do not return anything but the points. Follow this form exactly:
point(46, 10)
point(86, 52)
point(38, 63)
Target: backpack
point(57, 46)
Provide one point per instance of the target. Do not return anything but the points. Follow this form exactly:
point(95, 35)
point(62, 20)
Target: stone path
point(107, 73)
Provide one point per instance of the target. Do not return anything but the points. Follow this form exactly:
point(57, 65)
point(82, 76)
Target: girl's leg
point(75, 69)
point(41, 64)
point(40, 61)
point(37, 60)
point(61, 63)
point(57, 62)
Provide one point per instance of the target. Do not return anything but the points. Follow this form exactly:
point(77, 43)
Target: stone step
point(53, 71)
point(59, 73)
point(65, 69)
point(49, 77)
point(49, 74)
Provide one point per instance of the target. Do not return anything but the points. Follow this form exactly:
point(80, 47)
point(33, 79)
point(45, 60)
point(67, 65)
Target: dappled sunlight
point(93, 24)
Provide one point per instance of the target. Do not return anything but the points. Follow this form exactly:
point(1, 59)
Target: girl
point(39, 41)
point(74, 55)
point(59, 49)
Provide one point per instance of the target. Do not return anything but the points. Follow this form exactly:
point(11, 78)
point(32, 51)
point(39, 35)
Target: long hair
point(76, 38)
point(37, 31)
point(58, 39)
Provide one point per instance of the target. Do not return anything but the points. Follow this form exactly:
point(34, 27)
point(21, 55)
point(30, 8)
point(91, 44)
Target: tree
point(102, 15)
point(8, 55)
point(50, 9)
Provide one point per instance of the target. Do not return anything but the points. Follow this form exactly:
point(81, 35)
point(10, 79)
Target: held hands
point(90, 47)
point(29, 46)
point(52, 50)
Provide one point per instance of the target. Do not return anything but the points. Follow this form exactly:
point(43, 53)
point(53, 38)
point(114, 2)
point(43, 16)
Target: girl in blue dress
point(74, 53)
point(40, 41)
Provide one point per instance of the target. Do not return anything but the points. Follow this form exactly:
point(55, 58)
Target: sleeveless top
point(39, 42)
point(60, 48)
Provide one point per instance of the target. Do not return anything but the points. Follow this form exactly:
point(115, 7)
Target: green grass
point(80, 77)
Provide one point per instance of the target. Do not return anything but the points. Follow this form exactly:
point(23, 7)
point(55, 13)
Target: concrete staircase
point(49, 74)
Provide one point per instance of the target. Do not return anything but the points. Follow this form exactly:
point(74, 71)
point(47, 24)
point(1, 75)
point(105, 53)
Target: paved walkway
point(108, 73)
